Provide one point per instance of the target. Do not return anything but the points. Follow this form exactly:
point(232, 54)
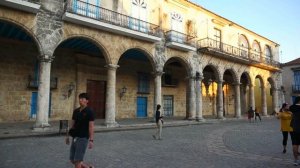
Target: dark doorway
point(97, 92)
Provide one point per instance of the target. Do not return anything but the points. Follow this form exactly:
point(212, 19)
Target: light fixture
point(123, 91)
point(71, 87)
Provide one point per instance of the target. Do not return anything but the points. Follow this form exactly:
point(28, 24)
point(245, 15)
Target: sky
point(277, 20)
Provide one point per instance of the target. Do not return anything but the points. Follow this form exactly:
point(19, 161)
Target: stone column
point(237, 100)
point(264, 101)
point(199, 115)
point(275, 99)
point(220, 107)
point(43, 93)
point(157, 91)
point(110, 106)
point(192, 104)
point(252, 96)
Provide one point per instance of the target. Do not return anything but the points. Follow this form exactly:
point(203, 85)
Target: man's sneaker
point(296, 163)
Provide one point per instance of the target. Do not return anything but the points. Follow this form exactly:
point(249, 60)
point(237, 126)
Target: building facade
point(291, 78)
point(130, 55)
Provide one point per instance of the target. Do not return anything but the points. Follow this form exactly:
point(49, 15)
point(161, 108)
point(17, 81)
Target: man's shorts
point(78, 148)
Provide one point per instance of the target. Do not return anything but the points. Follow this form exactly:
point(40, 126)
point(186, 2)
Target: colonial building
point(130, 55)
point(291, 78)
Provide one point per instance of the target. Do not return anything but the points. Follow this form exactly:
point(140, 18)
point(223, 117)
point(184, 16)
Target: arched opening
point(175, 87)
point(258, 91)
point(18, 78)
point(79, 66)
point(269, 94)
point(135, 85)
point(209, 91)
point(244, 91)
point(243, 46)
point(228, 94)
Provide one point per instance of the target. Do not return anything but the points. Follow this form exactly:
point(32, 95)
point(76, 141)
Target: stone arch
point(144, 51)
point(183, 61)
point(261, 79)
point(256, 45)
point(216, 71)
point(243, 41)
point(234, 75)
point(91, 39)
point(247, 75)
point(27, 30)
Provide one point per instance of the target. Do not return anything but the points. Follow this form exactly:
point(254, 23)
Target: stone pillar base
point(191, 118)
point(200, 119)
point(221, 118)
point(238, 117)
point(111, 124)
point(41, 128)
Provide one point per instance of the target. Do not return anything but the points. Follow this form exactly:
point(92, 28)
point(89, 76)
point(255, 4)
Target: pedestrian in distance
point(295, 123)
point(250, 114)
point(256, 112)
point(82, 132)
point(159, 123)
point(285, 117)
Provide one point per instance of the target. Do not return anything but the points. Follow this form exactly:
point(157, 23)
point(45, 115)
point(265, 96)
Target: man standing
point(82, 132)
point(295, 123)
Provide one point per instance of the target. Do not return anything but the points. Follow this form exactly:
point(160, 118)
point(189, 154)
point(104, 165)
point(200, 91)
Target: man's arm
point(91, 134)
point(67, 135)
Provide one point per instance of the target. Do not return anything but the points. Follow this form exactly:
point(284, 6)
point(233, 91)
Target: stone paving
point(224, 144)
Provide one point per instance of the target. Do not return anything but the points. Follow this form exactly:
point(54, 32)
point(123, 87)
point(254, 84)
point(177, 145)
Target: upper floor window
point(297, 77)
point(243, 42)
point(139, 11)
point(89, 8)
point(143, 83)
point(268, 52)
point(217, 37)
point(177, 27)
point(255, 46)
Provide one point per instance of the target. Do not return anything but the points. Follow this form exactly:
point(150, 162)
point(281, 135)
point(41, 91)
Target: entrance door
point(168, 106)
point(97, 90)
point(141, 107)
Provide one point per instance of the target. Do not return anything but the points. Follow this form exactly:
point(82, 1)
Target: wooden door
point(97, 91)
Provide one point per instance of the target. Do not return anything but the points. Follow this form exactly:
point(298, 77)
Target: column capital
point(46, 58)
point(236, 84)
point(158, 73)
point(111, 66)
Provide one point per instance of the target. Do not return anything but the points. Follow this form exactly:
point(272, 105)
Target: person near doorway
point(250, 114)
point(256, 112)
point(82, 132)
point(159, 123)
point(285, 117)
point(295, 123)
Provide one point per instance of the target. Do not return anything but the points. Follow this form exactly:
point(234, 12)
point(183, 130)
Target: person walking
point(250, 114)
point(257, 114)
point(82, 132)
point(295, 123)
point(159, 123)
point(285, 117)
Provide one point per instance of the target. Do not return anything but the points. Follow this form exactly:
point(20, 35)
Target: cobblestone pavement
point(214, 145)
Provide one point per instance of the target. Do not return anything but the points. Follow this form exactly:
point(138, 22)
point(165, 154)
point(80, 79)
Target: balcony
point(236, 54)
point(180, 41)
point(33, 83)
point(296, 88)
point(31, 6)
point(83, 13)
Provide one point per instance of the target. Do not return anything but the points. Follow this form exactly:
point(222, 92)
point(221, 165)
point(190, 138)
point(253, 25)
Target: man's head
point(83, 99)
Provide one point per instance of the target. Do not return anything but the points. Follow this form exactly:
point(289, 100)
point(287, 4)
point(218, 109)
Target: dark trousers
point(257, 115)
point(285, 137)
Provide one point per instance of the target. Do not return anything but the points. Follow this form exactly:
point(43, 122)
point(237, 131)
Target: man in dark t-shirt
point(295, 123)
point(83, 132)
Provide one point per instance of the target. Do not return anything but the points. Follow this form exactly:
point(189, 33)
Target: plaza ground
point(231, 143)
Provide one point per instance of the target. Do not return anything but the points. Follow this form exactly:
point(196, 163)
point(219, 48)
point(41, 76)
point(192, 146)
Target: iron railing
point(235, 52)
point(175, 36)
point(296, 88)
point(104, 15)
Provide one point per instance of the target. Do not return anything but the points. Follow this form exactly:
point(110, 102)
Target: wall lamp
point(123, 91)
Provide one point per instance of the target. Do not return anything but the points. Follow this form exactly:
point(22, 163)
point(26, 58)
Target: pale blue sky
point(277, 20)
